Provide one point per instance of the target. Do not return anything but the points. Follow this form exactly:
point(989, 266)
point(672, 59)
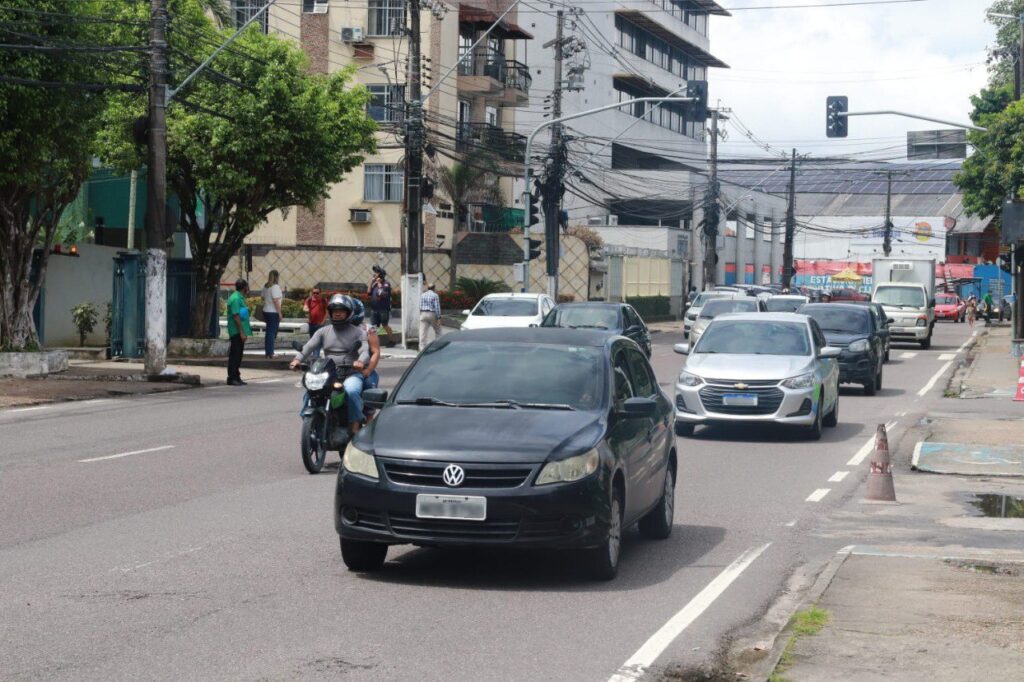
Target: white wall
point(913, 236)
point(70, 281)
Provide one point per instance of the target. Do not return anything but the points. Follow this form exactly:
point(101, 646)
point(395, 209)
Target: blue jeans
point(354, 397)
point(273, 321)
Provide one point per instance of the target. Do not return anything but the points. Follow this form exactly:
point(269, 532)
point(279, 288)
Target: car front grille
point(413, 529)
point(731, 383)
point(412, 472)
point(768, 400)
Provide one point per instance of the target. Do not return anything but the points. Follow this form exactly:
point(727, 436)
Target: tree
point(1003, 55)
point(257, 133)
point(50, 101)
point(473, 180)
point(996, 171)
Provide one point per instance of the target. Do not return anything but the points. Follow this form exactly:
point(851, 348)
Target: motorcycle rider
point(369, 369)
point(347, 345)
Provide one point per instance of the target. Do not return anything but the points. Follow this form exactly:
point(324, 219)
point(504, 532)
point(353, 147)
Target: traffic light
point(836, 125)
point(535, 245)
point(1005, 262)
point(533, 211)
point(699, 91)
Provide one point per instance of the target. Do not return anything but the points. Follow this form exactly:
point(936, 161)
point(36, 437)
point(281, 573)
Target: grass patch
point(803, 624)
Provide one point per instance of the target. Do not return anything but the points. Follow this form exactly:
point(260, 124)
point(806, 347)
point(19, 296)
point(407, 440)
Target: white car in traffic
point(508, 310)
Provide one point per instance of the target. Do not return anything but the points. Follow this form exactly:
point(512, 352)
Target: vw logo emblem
point(453, 475)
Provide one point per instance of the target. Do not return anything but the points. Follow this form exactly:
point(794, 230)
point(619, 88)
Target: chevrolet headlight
point(687, 379)
point(567, 470)
point(802, 381)
point(860, 346)
point(314, 382)
point(356, 461)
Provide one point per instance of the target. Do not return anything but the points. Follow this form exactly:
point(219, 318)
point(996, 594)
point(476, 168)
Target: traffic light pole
point(889, 112)
point(787, 248)
point(887, 240)
point(528, 172)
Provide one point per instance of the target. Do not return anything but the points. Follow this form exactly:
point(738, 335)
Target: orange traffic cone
point(880, 487)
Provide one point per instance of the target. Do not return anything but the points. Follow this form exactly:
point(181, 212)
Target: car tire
point(362, 556)
point(814, 430)
point(832, 419)
point(870, 386)
point(657, 524)
point(684, 430)
point(878, 380)
point(887, 354)
point(927, 343)
point(603, 562)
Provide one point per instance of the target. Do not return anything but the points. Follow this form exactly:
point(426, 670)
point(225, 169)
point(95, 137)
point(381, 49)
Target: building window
point(314, 6)
point(491, 116)
point(387, 102)
point(670, 116)
point(751, 226)
point(383, 182)
point(646, 46)
point(244, 11)
point(387, 17)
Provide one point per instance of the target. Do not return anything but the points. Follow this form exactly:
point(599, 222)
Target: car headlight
point(358, 462)
point(922, 321)
point(314, 382)
point(687, 379)
point(860, 346)
point(572, 469)
point(802, 381)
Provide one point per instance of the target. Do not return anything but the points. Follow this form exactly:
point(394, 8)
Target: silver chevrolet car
point(698, 304)
point(759, 367)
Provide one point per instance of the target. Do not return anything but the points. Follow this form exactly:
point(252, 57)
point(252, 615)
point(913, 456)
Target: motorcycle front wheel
point(314, 449)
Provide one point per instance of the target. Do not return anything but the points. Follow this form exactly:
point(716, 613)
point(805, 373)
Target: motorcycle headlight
point(687, 379)
point(314, 382)
point(358, 462)
point(860, 346)
point(567, 470)
point(802, 381)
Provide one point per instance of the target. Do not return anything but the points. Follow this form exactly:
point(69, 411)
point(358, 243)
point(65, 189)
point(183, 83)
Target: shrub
point(478, 288)
point(85, 316)
point(291, 308)
point(296, 294)
point(650, 306)
point(588, 236)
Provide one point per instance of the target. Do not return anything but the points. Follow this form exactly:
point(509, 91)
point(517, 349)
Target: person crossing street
point(430, 315)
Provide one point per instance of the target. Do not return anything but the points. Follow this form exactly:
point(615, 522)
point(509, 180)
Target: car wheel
point(814, 430)
point(870, 386)
point(603, 561)
point(878, 380)
point(927, 343)
point(833, 417)
point(886, 354)
point(657, 524)
point(684, 430)
point(363, 556)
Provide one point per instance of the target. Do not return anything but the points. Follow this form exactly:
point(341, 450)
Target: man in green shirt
point(238, 330)
point(987, 305)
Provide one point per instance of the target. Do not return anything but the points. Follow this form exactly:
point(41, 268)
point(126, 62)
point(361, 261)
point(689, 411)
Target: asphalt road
point(178, 536)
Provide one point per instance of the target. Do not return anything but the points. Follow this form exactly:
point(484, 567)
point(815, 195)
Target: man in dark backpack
point(380, 302)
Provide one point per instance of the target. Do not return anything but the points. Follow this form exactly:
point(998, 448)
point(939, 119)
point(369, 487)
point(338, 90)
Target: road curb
point(963, 372)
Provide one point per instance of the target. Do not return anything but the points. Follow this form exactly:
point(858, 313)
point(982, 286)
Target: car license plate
point(740, 399)
point(455, 507)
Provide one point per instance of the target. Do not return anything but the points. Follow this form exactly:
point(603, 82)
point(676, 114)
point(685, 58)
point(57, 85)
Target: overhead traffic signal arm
point(837, 112)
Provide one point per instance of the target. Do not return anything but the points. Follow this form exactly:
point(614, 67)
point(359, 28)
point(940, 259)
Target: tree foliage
point(996, 170)
point(255, 134)
point(48, 122)
point(1002, 56)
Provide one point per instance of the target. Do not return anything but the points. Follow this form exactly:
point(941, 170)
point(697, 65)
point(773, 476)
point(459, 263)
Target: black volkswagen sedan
point(539, 438)
point(618, 318)
point(854, 329)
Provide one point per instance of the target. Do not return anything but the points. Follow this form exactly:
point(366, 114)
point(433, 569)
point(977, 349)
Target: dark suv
point(852, 328)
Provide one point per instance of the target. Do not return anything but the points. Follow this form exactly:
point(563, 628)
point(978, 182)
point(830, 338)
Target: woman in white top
point(271, 311)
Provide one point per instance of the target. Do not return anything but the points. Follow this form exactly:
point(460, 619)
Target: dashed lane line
point(126, 454)
point(907, 356)
point(818, 495)
point(838, 476)
point(931, 382)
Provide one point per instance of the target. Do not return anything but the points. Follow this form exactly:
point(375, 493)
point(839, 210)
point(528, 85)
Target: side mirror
point(466, 312)
point(682, 348)
point(375, 397)
point(638, 407)
point(830, 352)
point(890, 321)
point(931, 303)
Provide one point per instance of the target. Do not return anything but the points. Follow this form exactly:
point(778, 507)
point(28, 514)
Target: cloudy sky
point(924, 57)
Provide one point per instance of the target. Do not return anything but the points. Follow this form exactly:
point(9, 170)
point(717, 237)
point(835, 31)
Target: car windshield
point(728, 305)
point(506, 307)
point(747, 337)
point(576, 316)
point(784, 305)
point(910, 297)
point(506, 375)
point(832, 318)
point(945, 299)
point(707, 296)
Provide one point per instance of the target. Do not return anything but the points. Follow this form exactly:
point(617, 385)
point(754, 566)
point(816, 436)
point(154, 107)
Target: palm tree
point(474, 180)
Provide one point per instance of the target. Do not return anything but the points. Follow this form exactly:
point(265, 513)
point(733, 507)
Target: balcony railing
point(486, 62)
point(489, 138)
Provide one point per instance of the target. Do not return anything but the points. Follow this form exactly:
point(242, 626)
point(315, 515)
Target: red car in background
point(950, 307)
point(846, 295)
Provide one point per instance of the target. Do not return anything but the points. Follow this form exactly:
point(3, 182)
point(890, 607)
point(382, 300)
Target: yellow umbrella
point(847, 275)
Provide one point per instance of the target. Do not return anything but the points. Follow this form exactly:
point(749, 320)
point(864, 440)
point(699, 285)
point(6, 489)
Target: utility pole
point(552, 187)
point(156, 186)
point(887, 241)
point(711, 214)
point(412, 265)
point(133, 187)
point(787, 249)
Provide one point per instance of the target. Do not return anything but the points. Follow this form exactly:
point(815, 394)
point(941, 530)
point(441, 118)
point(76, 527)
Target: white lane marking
point(964, 344)
point(931, 382)
point(947, 356)
point(127, 454)
point(838, 476)
point(866, 449)
point(634, 668)
point(907, 356)
point(266, 381)
point(25, 409)
point(790, 524)
point(818, 495)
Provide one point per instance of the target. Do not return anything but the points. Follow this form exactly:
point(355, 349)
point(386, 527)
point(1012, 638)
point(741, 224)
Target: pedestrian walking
point(238, 330)
point(315, 307)
point(271, 311)
point(972, 310)
point(430, 315)
point(987, 304)
point(381, 302)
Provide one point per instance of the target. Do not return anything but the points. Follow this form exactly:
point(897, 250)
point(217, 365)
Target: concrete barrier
point(23, 365)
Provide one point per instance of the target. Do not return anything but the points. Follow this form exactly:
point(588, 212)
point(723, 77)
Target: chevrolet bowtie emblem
point(740, 386)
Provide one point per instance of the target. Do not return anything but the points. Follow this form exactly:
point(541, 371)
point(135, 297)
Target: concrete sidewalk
point(994, 371)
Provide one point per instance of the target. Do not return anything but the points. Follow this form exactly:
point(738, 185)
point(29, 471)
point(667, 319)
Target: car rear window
point(728, 305)
point(506, 307)
point(784, 305)
point(581, 316)
point(750, 337)
point(479, 372)
point(833, 318)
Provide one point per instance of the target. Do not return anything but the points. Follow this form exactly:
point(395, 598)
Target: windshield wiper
point(516, 405)
point(587, 326)
point(425, 400)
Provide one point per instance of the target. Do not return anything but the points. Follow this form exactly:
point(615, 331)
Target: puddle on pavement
point(999, 506)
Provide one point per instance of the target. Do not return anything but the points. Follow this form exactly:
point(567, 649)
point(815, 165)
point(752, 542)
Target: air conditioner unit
point(352, 34)
point(360, 215)
point(320, 7)
point(595, 221)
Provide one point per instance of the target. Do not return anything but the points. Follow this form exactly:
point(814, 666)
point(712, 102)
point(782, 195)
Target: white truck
point(906, 289)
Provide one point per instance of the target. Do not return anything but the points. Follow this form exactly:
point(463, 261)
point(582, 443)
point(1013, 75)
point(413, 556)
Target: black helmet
point(340, 302)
